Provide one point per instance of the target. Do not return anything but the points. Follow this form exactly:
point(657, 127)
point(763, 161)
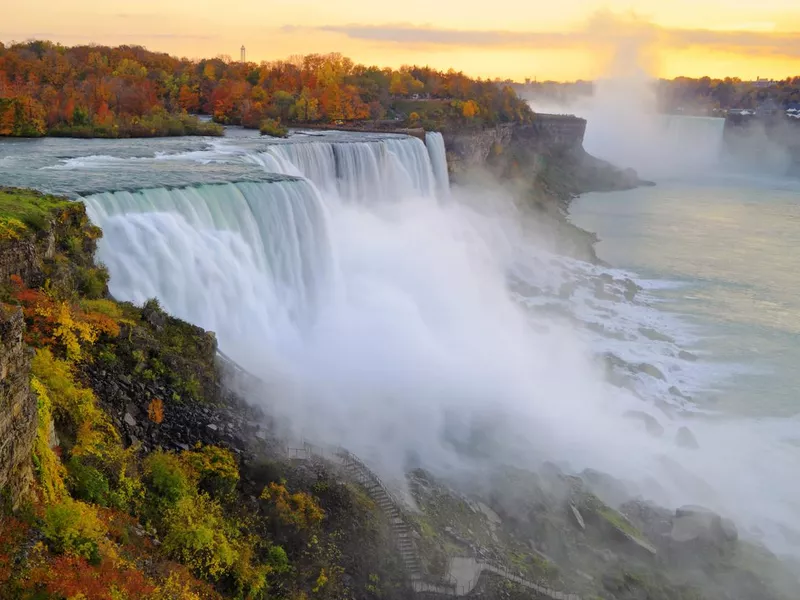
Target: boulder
point(652, 425)
point(650, 370)
point(696, 523)
point(685, 439)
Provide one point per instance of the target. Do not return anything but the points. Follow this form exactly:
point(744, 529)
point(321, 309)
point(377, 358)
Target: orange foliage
point(90, 86)
point(155, 411)
point(72, 577)
point(53, 323)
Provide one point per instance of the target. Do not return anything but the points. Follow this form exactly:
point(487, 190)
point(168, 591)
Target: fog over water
point(400, 321)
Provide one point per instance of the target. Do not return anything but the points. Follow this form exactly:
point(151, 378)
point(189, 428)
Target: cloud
point(119, 37)
point(603, 29)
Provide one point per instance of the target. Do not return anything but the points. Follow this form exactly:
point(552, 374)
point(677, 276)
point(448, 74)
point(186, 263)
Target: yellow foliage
point(174, 588)
point(50, 470)
point(322, 580)
point(96, 435)
point(212, 462)
point(74, 528)
point(299, 509)
point(470, 109)
point(70, 332)
point(196, 535)
point(11, 229)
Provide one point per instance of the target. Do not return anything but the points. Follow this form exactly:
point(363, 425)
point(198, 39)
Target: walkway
point(463, 574)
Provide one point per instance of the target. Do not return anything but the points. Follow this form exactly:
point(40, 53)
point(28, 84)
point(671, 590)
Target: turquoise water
point(728, 247)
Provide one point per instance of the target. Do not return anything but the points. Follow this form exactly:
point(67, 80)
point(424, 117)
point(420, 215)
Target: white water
point(435, 143)
point(391, 169)
point(388, 327)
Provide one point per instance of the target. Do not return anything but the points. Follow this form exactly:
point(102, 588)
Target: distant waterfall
point(436, 151)
point(390, 168)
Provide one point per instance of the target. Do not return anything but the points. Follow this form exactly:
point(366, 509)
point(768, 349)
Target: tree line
point(47, 88)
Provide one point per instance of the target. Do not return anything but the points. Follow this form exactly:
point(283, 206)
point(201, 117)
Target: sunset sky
point(562, 40)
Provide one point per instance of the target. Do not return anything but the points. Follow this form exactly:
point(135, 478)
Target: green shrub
point(92, 282)
point(72, 527)
point(273, 128)
point(167, 478)
point(87, 483)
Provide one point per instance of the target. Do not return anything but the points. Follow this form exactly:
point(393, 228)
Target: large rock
point(652, 425)
point(696, 523)
point(685, 439)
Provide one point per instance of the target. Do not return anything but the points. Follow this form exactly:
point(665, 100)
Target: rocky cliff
point(548, 134)
point(543, 164)
point(17, 408)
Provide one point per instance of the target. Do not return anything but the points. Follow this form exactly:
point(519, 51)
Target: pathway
point(463, 574)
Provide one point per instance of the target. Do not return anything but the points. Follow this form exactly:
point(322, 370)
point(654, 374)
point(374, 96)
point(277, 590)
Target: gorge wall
point(548, 134)
point(17, 408)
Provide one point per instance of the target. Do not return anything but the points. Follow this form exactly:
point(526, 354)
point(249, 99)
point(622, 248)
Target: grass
point(22, 210)
point(618, 521)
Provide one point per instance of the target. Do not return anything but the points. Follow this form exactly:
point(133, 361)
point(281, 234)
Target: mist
point(403, 343)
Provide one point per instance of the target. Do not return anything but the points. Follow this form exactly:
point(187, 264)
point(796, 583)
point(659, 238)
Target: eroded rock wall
point(17, 408)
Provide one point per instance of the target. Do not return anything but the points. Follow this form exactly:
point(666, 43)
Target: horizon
point(230, 58)
point(517, 41)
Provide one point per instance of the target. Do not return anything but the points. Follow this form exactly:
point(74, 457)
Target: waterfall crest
point(385, 169)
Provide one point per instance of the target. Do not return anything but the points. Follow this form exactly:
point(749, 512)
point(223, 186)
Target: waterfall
point(253, 259)
point(390, 168)
point(202, 250)
point(435, 144)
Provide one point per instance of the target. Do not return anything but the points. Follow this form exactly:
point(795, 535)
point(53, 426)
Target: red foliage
point(67, 576)
point(42, 313)
point(13, 534)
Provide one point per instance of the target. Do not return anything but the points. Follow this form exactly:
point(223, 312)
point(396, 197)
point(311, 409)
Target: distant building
point(762, 83)
point(244, 55)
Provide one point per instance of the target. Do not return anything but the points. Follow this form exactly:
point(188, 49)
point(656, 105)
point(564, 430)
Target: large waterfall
point(253, 260)
point(382, 318)
point(203, 249)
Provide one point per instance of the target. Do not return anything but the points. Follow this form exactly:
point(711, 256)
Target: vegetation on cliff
point(171, 514)
point(127, 91)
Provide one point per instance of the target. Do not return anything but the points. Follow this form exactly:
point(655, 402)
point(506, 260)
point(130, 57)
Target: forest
point(128, 91)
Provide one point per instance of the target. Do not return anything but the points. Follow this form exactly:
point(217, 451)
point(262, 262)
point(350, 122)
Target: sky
point(563, 40)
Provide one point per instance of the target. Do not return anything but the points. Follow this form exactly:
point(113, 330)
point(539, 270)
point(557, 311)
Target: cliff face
point(543, 164)
point(548, 134)
point(17, 408)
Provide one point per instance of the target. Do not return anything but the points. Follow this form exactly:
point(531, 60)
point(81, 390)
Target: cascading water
point(202, 250)
point(436, 150)
point(389, 327)
point(386, 169)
